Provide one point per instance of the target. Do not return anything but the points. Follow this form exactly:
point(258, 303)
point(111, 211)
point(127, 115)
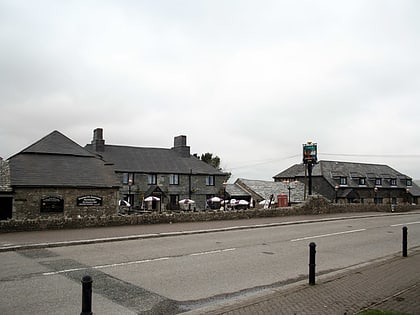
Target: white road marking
point(409, 223)
point(326, 235)
point(135, 262)
point(213, 252)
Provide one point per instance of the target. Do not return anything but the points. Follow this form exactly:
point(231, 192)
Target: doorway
point(6, 206)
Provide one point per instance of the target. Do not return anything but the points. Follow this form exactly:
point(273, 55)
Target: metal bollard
point(86, 295)
point(404, 241)
point(312, 252)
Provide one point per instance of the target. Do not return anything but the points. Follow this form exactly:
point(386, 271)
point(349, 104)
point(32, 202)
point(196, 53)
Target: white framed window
point(210, 180)
point(362, 181)
point(174, 179)
point(378, 182)
point(128, 178)
point(343, 181)
point(393, 182)
point(151, 179)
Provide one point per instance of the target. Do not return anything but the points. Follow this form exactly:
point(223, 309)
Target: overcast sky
point(249, 81)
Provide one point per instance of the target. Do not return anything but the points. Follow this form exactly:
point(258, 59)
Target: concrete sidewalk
point(392, 284)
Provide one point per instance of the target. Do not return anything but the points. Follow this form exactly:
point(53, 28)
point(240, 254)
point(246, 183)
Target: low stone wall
point(314, 205)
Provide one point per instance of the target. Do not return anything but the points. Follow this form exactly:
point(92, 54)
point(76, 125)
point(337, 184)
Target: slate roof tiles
point(56, 160)
point(153, 160)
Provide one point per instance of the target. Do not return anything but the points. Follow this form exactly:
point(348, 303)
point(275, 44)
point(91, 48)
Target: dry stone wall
point(315, 205)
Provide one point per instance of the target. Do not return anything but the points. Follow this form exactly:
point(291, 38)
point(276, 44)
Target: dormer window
point(409, 182)
point(393, 182)
point(362, 181)
point(378, 182)
point(343, 181)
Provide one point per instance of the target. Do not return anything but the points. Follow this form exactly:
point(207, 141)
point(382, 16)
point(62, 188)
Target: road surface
point(169, 275)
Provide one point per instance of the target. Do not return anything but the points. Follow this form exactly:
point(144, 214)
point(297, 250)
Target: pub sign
point(310, 152)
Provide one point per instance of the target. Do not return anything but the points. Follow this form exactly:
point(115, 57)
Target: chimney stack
point(98, 142)
point(180, 146)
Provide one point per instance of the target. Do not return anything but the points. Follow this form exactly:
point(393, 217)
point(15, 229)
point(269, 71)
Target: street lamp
point(336, 193)
point(376, 195)
point(289, 188)
point(130, 182)
point(224, 195)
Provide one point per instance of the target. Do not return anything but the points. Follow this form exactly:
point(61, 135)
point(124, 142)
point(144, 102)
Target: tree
point(209, 159)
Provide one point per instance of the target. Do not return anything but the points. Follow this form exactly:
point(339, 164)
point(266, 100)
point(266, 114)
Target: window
point(378, 181)
point(151, 179)
point(174, 179)
point(409, 183)
point(393, 182)
point(128, 178)
point(343, 180)
point(210, 180)
point(362, 181)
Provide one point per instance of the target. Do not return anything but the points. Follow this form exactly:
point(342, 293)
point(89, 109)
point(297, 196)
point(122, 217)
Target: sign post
point(310, 152)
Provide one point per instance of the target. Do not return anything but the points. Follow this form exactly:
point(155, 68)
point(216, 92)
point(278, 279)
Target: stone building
point(57, 177)
point(165, 176)
point(348, 182)
point(260, 190)
point(6, 191)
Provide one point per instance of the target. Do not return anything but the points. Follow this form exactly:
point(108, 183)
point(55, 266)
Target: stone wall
point(27, 202)
point(315, 205)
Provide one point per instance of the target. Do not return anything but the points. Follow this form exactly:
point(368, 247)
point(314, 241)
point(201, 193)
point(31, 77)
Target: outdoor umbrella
point(215, 199)
point(186, 201)
point(267, 201)
point(151, 198)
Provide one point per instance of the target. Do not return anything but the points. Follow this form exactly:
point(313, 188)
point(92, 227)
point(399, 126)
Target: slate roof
point(264, 189)
point(58, 161)
point(235, 191)
point(415, 189)
point(333, 170)
point(57, 143)
point(153, 160)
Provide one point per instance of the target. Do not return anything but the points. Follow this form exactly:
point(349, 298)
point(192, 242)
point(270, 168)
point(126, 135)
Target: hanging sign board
point(89, 201)
point(310, 153)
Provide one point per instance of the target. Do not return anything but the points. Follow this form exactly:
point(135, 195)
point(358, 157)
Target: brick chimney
point(180, 146)
point(98, 142)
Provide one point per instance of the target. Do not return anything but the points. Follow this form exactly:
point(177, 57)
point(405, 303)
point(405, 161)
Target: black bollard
point(312, 252)
point(404, 242)
point(86, 295)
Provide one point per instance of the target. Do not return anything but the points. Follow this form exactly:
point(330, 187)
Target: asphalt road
point(173, 274)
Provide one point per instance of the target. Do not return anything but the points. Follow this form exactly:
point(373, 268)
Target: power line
point(262, 162)
point(269, 161)
point(373, 155)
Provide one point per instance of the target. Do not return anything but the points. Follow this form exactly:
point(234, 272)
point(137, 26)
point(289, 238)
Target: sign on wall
point(89, 201)
point(52, 204)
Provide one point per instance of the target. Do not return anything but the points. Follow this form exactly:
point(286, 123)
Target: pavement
point(389, 284)
point(392, 284)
